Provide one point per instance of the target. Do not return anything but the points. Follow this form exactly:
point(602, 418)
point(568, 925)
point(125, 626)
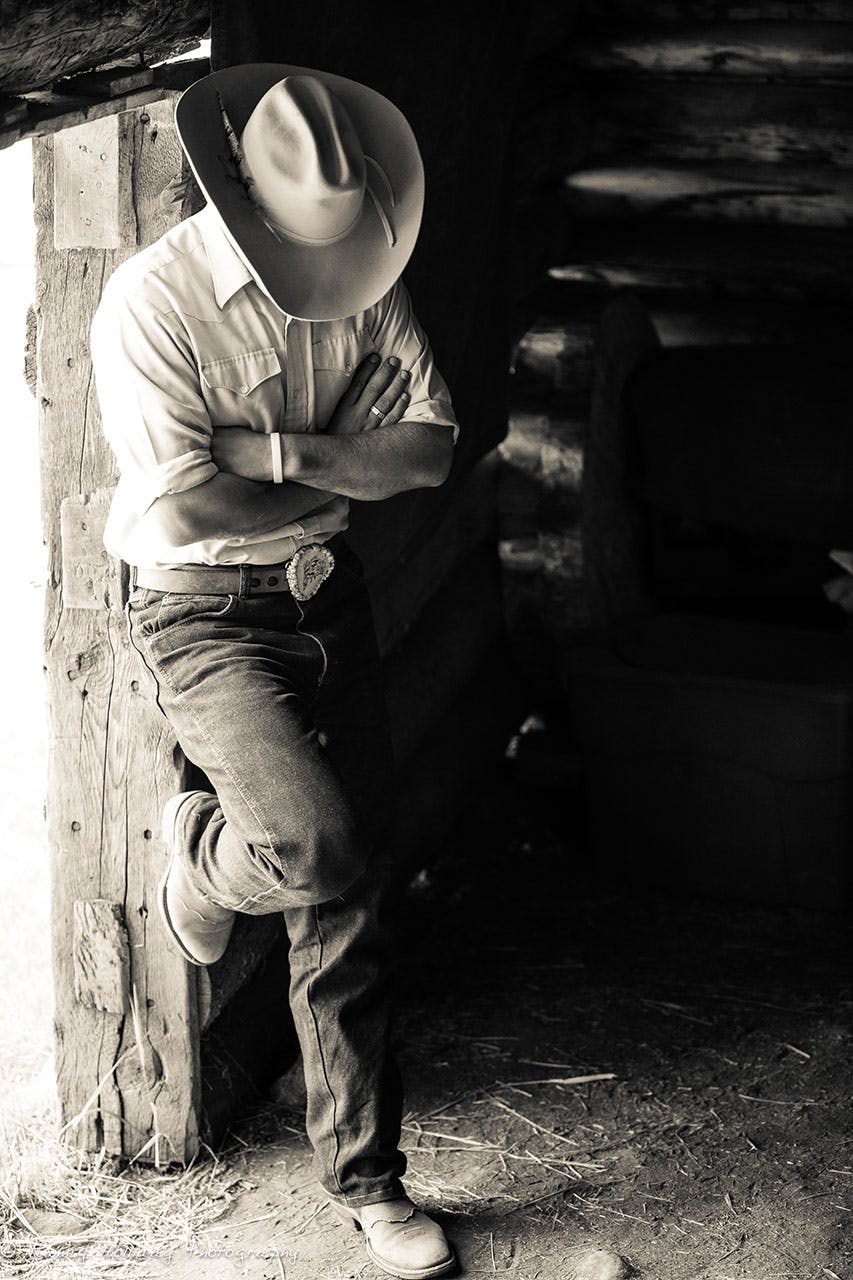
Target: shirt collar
point(228, 270)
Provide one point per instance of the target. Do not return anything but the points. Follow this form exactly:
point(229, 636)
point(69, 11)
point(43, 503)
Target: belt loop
point(131, 578)
point(244, 580)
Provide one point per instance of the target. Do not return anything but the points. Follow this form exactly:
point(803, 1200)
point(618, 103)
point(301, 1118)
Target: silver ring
point(378, 412)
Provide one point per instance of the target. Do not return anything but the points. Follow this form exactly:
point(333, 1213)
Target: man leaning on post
point(257, 367)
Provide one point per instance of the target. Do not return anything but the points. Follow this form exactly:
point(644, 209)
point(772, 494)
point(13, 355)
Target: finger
point(379, 381)
point(361, 377)
point(389, 397)
point(395, 414)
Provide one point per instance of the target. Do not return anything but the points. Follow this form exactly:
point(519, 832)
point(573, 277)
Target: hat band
point(279, 230)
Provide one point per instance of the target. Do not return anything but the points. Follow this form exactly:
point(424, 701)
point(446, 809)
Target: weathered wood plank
point(757, 50)
point(128, 1069)
point(49, 111)
point(113, 83)
point(92, 187)
point(716, 261)
point(41, 42)
point(539, 514)
point(552, 363)
point(673, 119)
point(721, 10)
point(541, 475)
point(101, 955)
point(819, 196)
point(88, 578)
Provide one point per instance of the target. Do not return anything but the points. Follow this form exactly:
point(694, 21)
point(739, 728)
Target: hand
point(242, 452)
point(374, 382)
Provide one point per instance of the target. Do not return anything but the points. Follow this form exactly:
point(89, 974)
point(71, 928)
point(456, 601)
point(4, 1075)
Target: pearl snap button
point(244, 388)
point(349, 366)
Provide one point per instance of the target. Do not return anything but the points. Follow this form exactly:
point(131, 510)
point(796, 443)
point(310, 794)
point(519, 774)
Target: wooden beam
point(718, 261)
point(552, 363)
point(45, 40)
point(52, 110)
point(112, 83)
point(818, 196)
point(681, 11)
point(756, 50)
point(127, 1038)
point(672, 119)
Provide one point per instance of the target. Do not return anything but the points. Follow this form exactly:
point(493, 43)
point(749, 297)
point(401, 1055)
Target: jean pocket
point(179, 608)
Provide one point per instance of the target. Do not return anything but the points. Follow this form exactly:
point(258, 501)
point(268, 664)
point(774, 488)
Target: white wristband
point(277, 460)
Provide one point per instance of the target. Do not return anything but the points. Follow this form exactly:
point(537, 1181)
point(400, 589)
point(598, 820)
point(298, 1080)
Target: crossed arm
point(353, 459)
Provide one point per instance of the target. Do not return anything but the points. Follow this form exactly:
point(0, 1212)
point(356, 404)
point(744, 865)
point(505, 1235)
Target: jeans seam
point(316, 640)
point(319, 1042)
point(244, 791)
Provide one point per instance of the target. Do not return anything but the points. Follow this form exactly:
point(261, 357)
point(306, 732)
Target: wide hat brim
point(309, 282)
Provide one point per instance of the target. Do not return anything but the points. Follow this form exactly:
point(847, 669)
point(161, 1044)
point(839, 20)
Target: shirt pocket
point(244, 390)
point(336, 359)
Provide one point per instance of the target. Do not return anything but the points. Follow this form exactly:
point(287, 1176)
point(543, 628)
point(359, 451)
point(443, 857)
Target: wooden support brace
point(126, 1008)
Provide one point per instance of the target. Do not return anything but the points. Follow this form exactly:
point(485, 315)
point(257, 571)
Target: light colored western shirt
point(184, 340)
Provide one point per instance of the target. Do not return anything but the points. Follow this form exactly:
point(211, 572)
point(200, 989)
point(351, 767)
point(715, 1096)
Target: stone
point(599, 1264)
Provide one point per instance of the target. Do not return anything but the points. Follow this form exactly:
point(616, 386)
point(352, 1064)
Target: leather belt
point(231, 581)
point(301, 576)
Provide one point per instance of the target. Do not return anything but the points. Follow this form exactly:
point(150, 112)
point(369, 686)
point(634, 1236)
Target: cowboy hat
point(317, 179)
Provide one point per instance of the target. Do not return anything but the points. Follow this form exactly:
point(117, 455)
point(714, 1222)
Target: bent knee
point(325, 858)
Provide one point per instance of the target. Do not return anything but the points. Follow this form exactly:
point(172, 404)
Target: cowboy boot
point(400, 1239)
point(198, 927)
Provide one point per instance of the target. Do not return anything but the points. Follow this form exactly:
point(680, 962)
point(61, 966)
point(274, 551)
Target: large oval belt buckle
point(308, 569)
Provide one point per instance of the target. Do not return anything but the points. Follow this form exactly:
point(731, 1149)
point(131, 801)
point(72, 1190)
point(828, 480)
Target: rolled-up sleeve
point(396, 332)
point(153, 414)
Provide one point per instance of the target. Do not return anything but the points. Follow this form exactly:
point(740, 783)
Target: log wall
point(702, 160)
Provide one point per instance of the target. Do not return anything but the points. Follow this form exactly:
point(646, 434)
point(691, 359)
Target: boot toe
point(413, 1246)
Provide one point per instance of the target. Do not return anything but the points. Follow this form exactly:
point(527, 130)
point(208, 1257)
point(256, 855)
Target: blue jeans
point(280, 703)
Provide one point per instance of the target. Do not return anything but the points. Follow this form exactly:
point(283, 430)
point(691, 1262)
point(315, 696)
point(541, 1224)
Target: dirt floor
point(718, 1145)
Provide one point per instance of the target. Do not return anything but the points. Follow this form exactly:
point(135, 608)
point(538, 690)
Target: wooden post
point(126, 1013)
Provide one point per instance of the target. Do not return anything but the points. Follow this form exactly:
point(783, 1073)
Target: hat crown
point(304, 158)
